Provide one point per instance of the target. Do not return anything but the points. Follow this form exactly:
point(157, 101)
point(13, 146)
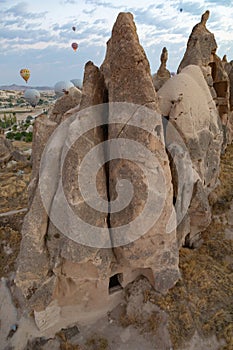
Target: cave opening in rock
point(115, 283)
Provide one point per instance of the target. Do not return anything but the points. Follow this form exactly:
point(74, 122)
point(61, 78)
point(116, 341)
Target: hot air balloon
point(74, 46)
point(77, 83)
point(25, 74)
point(32, 96)
point(62, 87)
point(74, 29)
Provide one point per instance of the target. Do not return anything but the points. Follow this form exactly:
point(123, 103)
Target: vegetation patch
point(8, 121)
point(20, 136)
point(223, 194)
point(14, 183)
point(9, 249)
point(97, 342)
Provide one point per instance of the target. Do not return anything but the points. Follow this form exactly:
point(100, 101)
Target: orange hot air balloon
point(25, 74)
point(74, 46)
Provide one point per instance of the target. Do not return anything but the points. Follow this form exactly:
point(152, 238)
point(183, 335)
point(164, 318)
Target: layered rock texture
point(121, 178)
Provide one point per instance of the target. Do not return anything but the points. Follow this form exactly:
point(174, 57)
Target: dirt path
point(13, 212)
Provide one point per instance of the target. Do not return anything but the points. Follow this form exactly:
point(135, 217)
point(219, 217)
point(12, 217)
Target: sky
point(38, 34)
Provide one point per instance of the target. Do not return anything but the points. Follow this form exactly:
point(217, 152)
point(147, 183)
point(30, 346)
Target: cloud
point(100, 21)
point(85, 33)
point(39, 36)
point(21, 11)
point(192, 8)
point(71, 2)
point(102, 4)
point(9, 22)
point(18, 10)
point(23, 34)
point(150, 19)
point(50, 65)
point(89, 12)
point(216, 2)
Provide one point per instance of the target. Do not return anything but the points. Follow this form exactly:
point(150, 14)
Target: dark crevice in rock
point(106, 165)
point(174, 175)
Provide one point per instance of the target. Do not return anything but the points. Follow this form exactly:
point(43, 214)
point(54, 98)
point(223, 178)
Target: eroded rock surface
point(201, 51)
point(69, 100)
point(129, 80)
point(6, 150)
point(186, 102)
point(201, 45)
point(57, 270)
point(163, 73)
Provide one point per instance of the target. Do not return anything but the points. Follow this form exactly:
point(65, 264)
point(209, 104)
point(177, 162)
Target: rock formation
point(6, 150)
point(9, 152)
point(123, 176)
point(129, 80)
point(228, 118)
point(113, 177)
point(201, 51)
point(69, 100)
point(201, 45)
point(58, 271)
point(163, 73)
point(186, 102)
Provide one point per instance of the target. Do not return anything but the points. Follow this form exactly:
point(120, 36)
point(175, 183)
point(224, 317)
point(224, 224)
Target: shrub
point(18, 136)
point(28, 137)
point(10, 135)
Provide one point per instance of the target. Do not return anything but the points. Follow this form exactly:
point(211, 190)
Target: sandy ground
point(106, 331)
point(106, 328)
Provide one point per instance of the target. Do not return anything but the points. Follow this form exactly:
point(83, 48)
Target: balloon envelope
point(32, 96)
point(74, 29)
point(74, 46)
point(25, 74)
point(62, 87)
point(77, 83)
